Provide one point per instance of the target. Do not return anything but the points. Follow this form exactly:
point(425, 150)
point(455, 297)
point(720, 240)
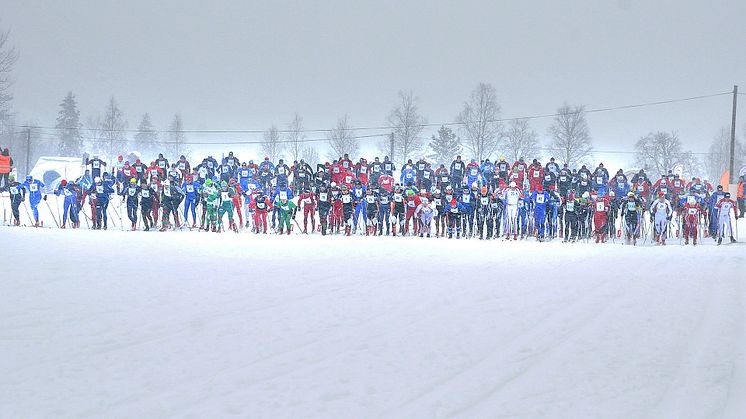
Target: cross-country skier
point(724, 207)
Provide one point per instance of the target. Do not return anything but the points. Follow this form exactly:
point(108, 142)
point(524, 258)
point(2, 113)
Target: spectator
point(6, 163)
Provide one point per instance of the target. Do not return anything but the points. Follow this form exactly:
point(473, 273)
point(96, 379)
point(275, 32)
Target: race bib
point(283, 195)
point(473, 172)
point(536, 173)
point(202, 172)
point(600, 206)
point(376, 169)
point(348, 179)
point(388, 167)
point(466, 199)
point(384, 200)
point(547, 178)
point(190, 188)
point(410, 203)
point(599, 180)
point(33, 187)
point(145, 193)
point(346, 199)
point(96, 164)
point(336, 169)
point(371, 199)
point(182, 166)
point(563, 178)
point(631, 206)
point(664, 190)
point(224, 169)
point(540, 199)
point(244, 173)
point(281, 170)
point(571, 206)
point(167, 192)
point(358, 193)
point(515, 176)
point(484, 200)
point(307, 201)
point(421, 166)
point(162, 164)
point(426, 175)
point(323, 196)
point(131, 191)
point(437, 202)
point(692, 211)
point(210, 164)
point(346, 164)
point(225, 196)
point(454, 209)
point(138, 169)
point(67, 192)
point(14, 190)
point(398, 198)
point(99, 189)
point(363, 169)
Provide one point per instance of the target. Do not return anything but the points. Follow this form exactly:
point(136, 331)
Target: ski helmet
point(208, 182)
point(133, 180)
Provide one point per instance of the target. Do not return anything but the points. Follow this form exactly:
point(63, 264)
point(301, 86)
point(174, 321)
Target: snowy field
point(132, 324)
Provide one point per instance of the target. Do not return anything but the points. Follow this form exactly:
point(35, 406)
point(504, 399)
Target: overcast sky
point(244, 64)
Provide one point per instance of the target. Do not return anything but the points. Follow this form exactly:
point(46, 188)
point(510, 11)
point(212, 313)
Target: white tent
point(51, 170)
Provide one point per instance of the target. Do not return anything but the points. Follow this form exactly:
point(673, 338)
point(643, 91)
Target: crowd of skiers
point(465, 199)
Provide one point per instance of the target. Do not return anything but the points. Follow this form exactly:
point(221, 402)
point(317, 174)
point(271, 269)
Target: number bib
point(631, 206)
point(138, 169)
point(307, 201)
point(14, 190)
point(33, 187)
point(281, 170)
point(426, 175)
point(398, 198)
point(388, 167)
point(132, 191)
point(536, 173)
point(323, 196)
point(370, 199)
point(466, 199)
point(444, 179)
point(67, 192)
point(346, 199)
point(260, 205)
point(363, 169)
point(600, 207)
point(190, 188)
point(145, 193)
point(540, 199)
point(484, 200)
point(692, 211)
point(96, 164)
point(437, 202)
point(571, 206)
point(283, 195)
point(225, 196)
point(99, 189)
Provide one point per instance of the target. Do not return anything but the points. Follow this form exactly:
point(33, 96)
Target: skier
point(601, 208)
point(261, 204)
point(97, 166)
point(484, 213)
point(384, 211)
point(412, 201)
point(191, 198)
point(692, 211)
point(425, 213)
point(308, 200)
point(455, 211)
point(458, 168)
point(102, 190)
point(325, 204)
point(171, 196)
point(539, 200)
point(371, 212)
point(131, 193)
point(358, 197)
point(226, 206)
point(33, 191)
point(347, 209)
point(147, 192)
point(287, 211)
point(511, 197)
point(17, 195)
point(440, 214)
point(398, 210)
point(660, 214)
point(724, 207)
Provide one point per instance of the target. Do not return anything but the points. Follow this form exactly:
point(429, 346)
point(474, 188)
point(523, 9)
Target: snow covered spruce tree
point(68, 123)
point(660, 152)
point(342, 139)
point(146, 138)
point(271, 145)
point(571, 139)
point(446, 145)
point(520, 140)
point(480, 125)
point(406, 124)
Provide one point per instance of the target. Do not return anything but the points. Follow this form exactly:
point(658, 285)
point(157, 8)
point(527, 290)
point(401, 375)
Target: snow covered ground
point(133, 324)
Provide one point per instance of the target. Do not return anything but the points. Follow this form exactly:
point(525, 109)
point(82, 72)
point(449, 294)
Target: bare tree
point(113, 126)
point(480, 123)
point(407, 125)
point(271, 144)
point(660, 152)
point(446, 145)
point(95, 133)
point(176, 138)
point(520, 140)
point(718, 159)
point(294, 138)
point(571, 138)
point(342, 139)
point(8, 58)
point(310, 155)
point(146, 137)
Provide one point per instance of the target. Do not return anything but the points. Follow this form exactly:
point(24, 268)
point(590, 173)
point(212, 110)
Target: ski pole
point(52, 213)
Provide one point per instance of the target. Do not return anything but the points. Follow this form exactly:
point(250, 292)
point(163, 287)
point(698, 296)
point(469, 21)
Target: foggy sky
point(245, 65)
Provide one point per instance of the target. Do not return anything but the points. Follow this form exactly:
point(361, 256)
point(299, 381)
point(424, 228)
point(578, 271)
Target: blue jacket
point(102, 191)
point(466, 200)
point(192, 194)
point(34, 190)
point(715, 198)
point(540, 200)
point(68, 192)
point(407, 175)
point(276, 193)
point(487, 167)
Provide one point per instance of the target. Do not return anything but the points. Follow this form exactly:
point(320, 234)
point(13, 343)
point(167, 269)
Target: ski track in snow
point(133, 324)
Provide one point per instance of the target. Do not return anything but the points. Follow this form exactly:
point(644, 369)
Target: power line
point(369, 128)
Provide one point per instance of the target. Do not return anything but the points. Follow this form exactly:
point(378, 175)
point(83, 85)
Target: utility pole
point(28, 151)
point(391, 145)
point(731, 169)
